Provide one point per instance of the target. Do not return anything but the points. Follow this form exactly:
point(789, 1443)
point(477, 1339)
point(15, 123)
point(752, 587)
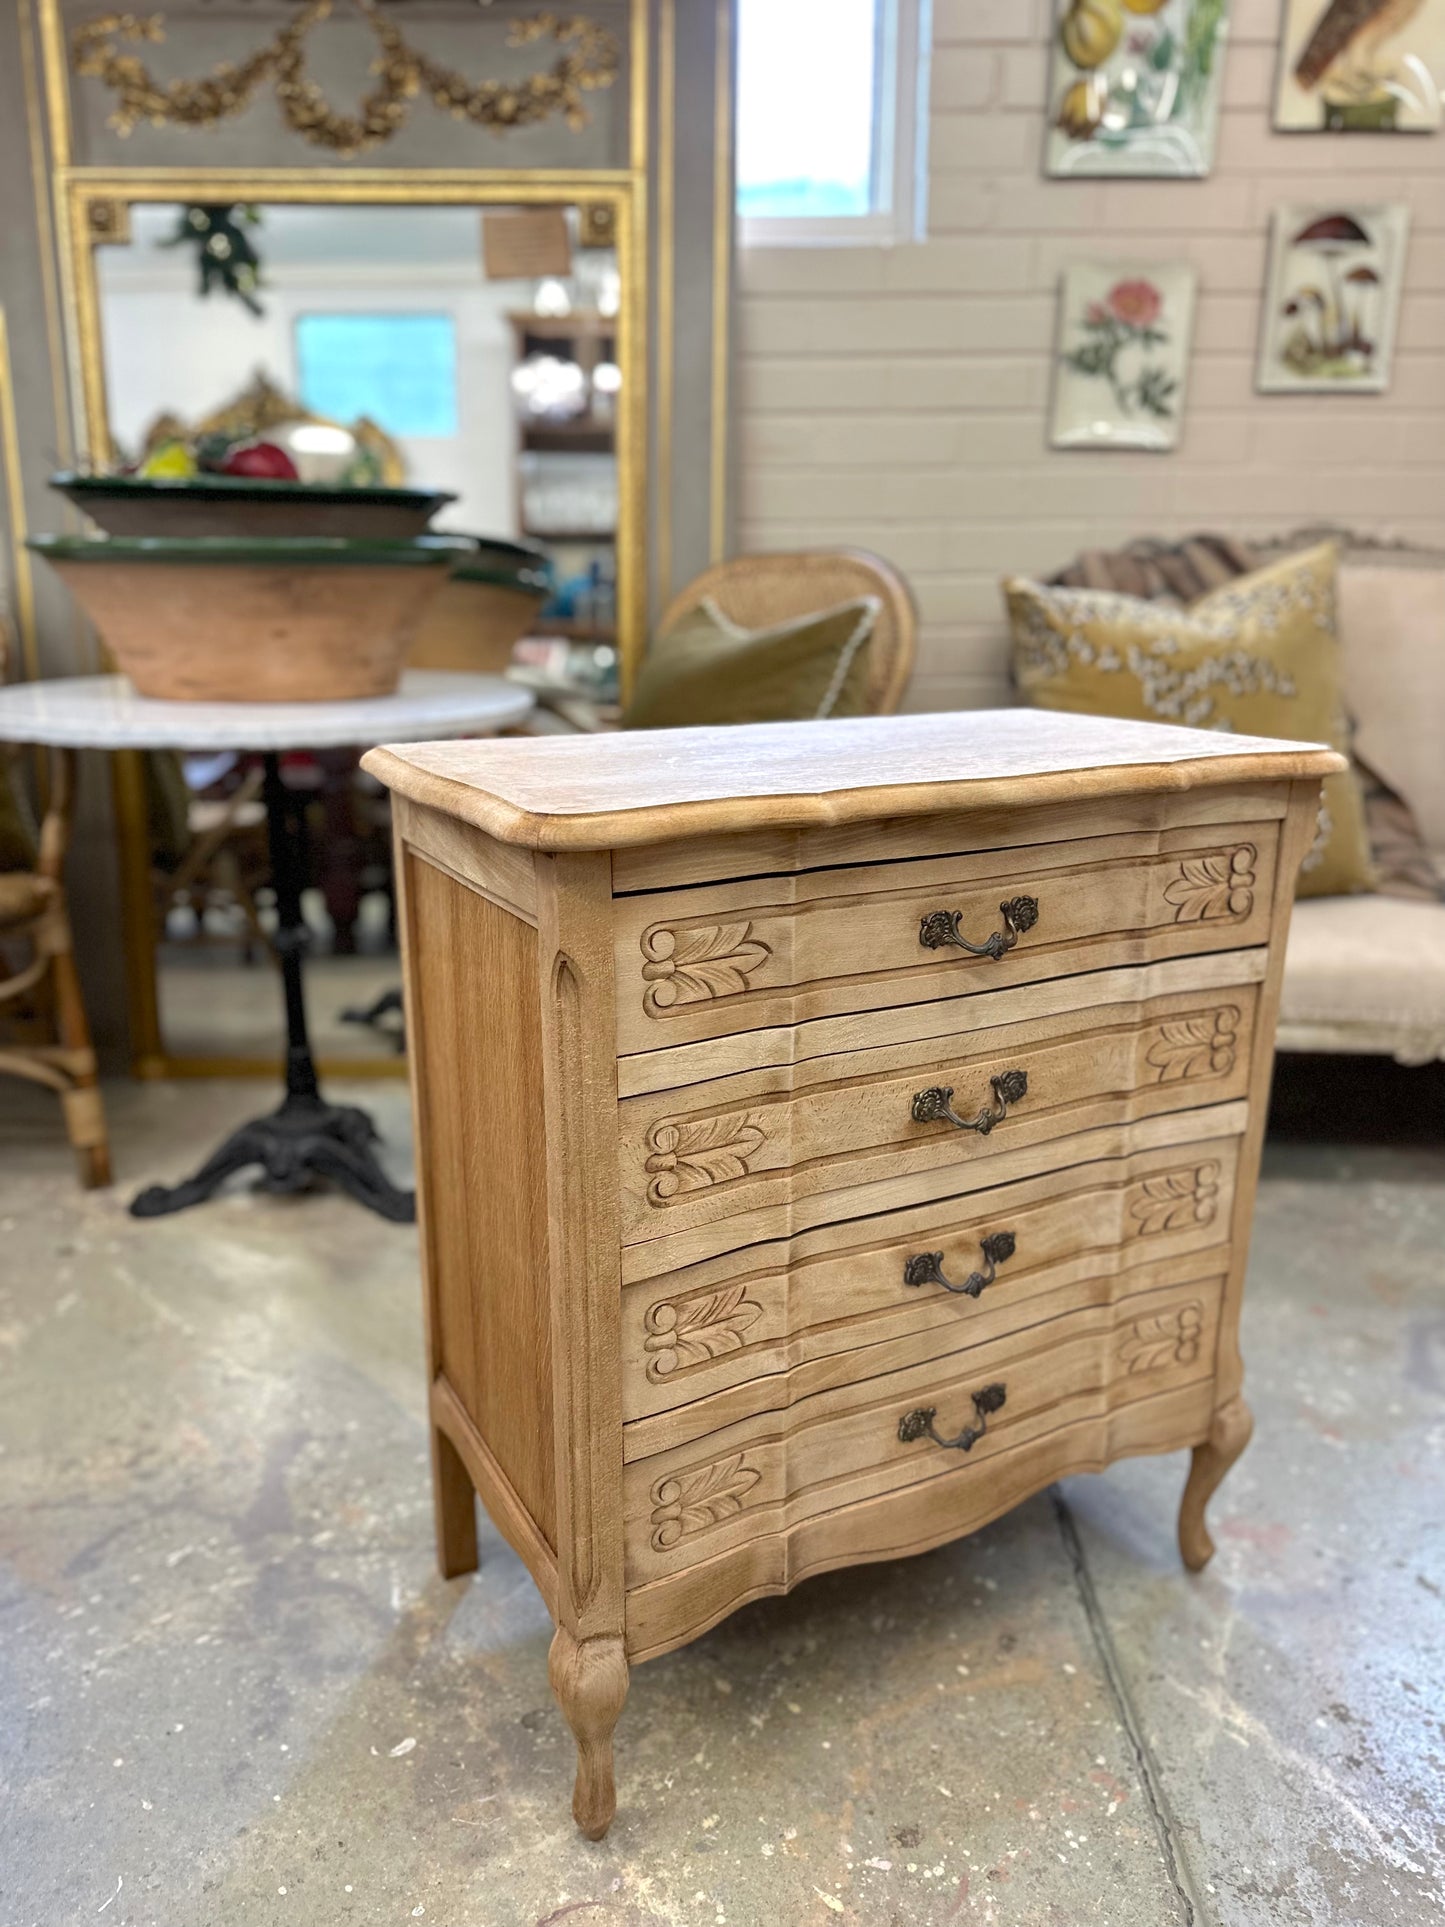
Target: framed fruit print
point(1360, 66)
point(1332, 299)
point(1134, 87)
point(1122, 355)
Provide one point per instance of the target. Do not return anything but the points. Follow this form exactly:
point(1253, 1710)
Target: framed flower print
point(1122, 355)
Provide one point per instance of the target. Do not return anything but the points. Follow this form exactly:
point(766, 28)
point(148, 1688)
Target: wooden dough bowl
point(235, 620)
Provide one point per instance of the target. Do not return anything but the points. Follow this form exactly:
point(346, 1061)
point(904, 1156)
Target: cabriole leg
point(1228, 1436)
point(589, 1678)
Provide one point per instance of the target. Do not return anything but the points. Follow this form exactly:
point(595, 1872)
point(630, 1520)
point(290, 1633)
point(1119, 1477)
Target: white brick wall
point(898, 398)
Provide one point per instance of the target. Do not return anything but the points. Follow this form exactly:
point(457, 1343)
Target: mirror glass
point(468, 350)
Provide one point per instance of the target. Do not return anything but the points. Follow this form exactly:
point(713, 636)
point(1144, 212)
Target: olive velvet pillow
point(1259, 655)
point(709, 669)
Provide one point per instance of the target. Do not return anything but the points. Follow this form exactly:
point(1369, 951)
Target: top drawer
point(709, 962)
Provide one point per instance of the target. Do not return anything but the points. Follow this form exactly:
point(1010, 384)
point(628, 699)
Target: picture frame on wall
point(1332, 298)
point(1360, 66)
point(1134, 87)
point(1121, 357)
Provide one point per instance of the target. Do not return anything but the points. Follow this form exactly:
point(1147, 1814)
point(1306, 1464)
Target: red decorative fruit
point(262, 462)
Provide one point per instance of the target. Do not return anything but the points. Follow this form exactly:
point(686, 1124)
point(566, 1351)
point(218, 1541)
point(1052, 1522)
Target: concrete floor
point(232, 1689)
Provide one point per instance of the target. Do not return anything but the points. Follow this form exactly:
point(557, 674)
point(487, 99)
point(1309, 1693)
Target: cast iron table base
point(307, 1138)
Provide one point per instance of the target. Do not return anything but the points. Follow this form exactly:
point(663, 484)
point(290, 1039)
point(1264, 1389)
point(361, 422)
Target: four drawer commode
point(828, 1135)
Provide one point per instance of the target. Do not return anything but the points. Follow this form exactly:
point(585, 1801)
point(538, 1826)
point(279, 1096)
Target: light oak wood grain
point(497, 870)
point(684, 1066)
point(475, 1032)
point(576, 1092)
point(768, 1473)
point(663, 1257)
point(669, 1612)
point(739, 1334)
point(742, 956)
point(669, 1016)
point(728, 1161)
point(783, 852)
point(650, 786)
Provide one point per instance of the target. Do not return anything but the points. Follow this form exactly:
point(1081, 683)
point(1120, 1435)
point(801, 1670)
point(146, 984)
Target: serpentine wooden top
point(653, 786)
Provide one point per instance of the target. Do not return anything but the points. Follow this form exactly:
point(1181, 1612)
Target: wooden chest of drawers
point(829, 1134)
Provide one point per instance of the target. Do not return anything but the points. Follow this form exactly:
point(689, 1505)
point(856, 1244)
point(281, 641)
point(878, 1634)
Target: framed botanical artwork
point(1332, 299)
point(1134, 86)
point(1122, 355)
point(1368, 66)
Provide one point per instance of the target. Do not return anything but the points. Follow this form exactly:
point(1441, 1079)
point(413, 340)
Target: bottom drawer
point(763, 1502)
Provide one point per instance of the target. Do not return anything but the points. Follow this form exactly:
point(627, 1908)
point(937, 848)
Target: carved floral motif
point(692, 965)
point(1219, 884)
point(1169, 1337)
point(1199, 1045)
point(1175, 1200)
point(690, 1502)
point(691, 1331)
point(700, 1152)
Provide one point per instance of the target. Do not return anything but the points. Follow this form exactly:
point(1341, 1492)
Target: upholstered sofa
point(1363, 973)
point(1367, 973)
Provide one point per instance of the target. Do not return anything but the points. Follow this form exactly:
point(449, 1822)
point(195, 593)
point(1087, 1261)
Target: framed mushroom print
point(1122, 355)
point(1361, 66)
point(1332, 299)
point(1134, 86)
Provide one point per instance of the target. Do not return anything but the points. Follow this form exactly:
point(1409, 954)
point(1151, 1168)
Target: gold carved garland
point(589, 60)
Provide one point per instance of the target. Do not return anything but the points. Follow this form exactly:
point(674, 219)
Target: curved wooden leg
point(1228, 1436)
point(589, 1677)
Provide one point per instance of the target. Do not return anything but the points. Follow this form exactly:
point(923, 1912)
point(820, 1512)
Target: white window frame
point(900, 148)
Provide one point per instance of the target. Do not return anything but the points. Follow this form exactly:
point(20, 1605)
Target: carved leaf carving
point(1175, 1199)
point(700, 1152)
point(691, 1331)
point(1200, 1045)
point(1219, 884)
point(693, 1501)
point(1169, 1337)
point(691, 966)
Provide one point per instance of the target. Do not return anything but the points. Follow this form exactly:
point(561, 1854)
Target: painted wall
point(899, 398)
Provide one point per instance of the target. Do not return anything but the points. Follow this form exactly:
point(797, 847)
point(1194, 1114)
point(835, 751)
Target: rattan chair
point(755, 590)
point(45, 989)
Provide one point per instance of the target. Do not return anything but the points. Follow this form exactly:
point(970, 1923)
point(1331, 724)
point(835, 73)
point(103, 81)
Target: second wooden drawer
point(730, 1161)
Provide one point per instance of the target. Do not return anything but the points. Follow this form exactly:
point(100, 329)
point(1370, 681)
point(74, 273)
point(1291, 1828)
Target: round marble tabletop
point(104, 712)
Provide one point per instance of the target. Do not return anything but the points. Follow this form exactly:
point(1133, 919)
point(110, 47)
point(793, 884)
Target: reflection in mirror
point(360, 350)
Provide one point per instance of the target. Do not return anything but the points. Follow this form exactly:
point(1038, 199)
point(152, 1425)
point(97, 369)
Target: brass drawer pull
point(926, 1267)
point(939, 929)
point(919, 1424)
point(935, 1105)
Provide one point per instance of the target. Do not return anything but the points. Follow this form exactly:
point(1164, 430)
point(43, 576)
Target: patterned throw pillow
point(708, 669)
point(1259, 655)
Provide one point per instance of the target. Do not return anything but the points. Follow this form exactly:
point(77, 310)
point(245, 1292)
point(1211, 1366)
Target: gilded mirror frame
point(93, 207)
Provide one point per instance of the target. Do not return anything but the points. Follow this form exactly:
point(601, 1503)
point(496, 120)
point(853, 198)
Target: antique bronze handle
point(935, 1105)
point(939, 929)
point(919, 1424)
point(926, 1267)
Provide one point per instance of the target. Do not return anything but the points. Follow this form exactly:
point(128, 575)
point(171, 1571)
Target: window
point(399, 370)
point(831, 116)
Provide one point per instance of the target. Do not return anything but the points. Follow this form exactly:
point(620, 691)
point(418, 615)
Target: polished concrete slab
point(233, 1691)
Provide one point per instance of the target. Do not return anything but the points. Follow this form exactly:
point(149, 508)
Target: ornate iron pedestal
point(307, 1138)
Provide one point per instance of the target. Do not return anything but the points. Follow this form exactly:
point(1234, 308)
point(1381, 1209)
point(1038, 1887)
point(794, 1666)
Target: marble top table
point(104, 712)
point(306, 1137)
